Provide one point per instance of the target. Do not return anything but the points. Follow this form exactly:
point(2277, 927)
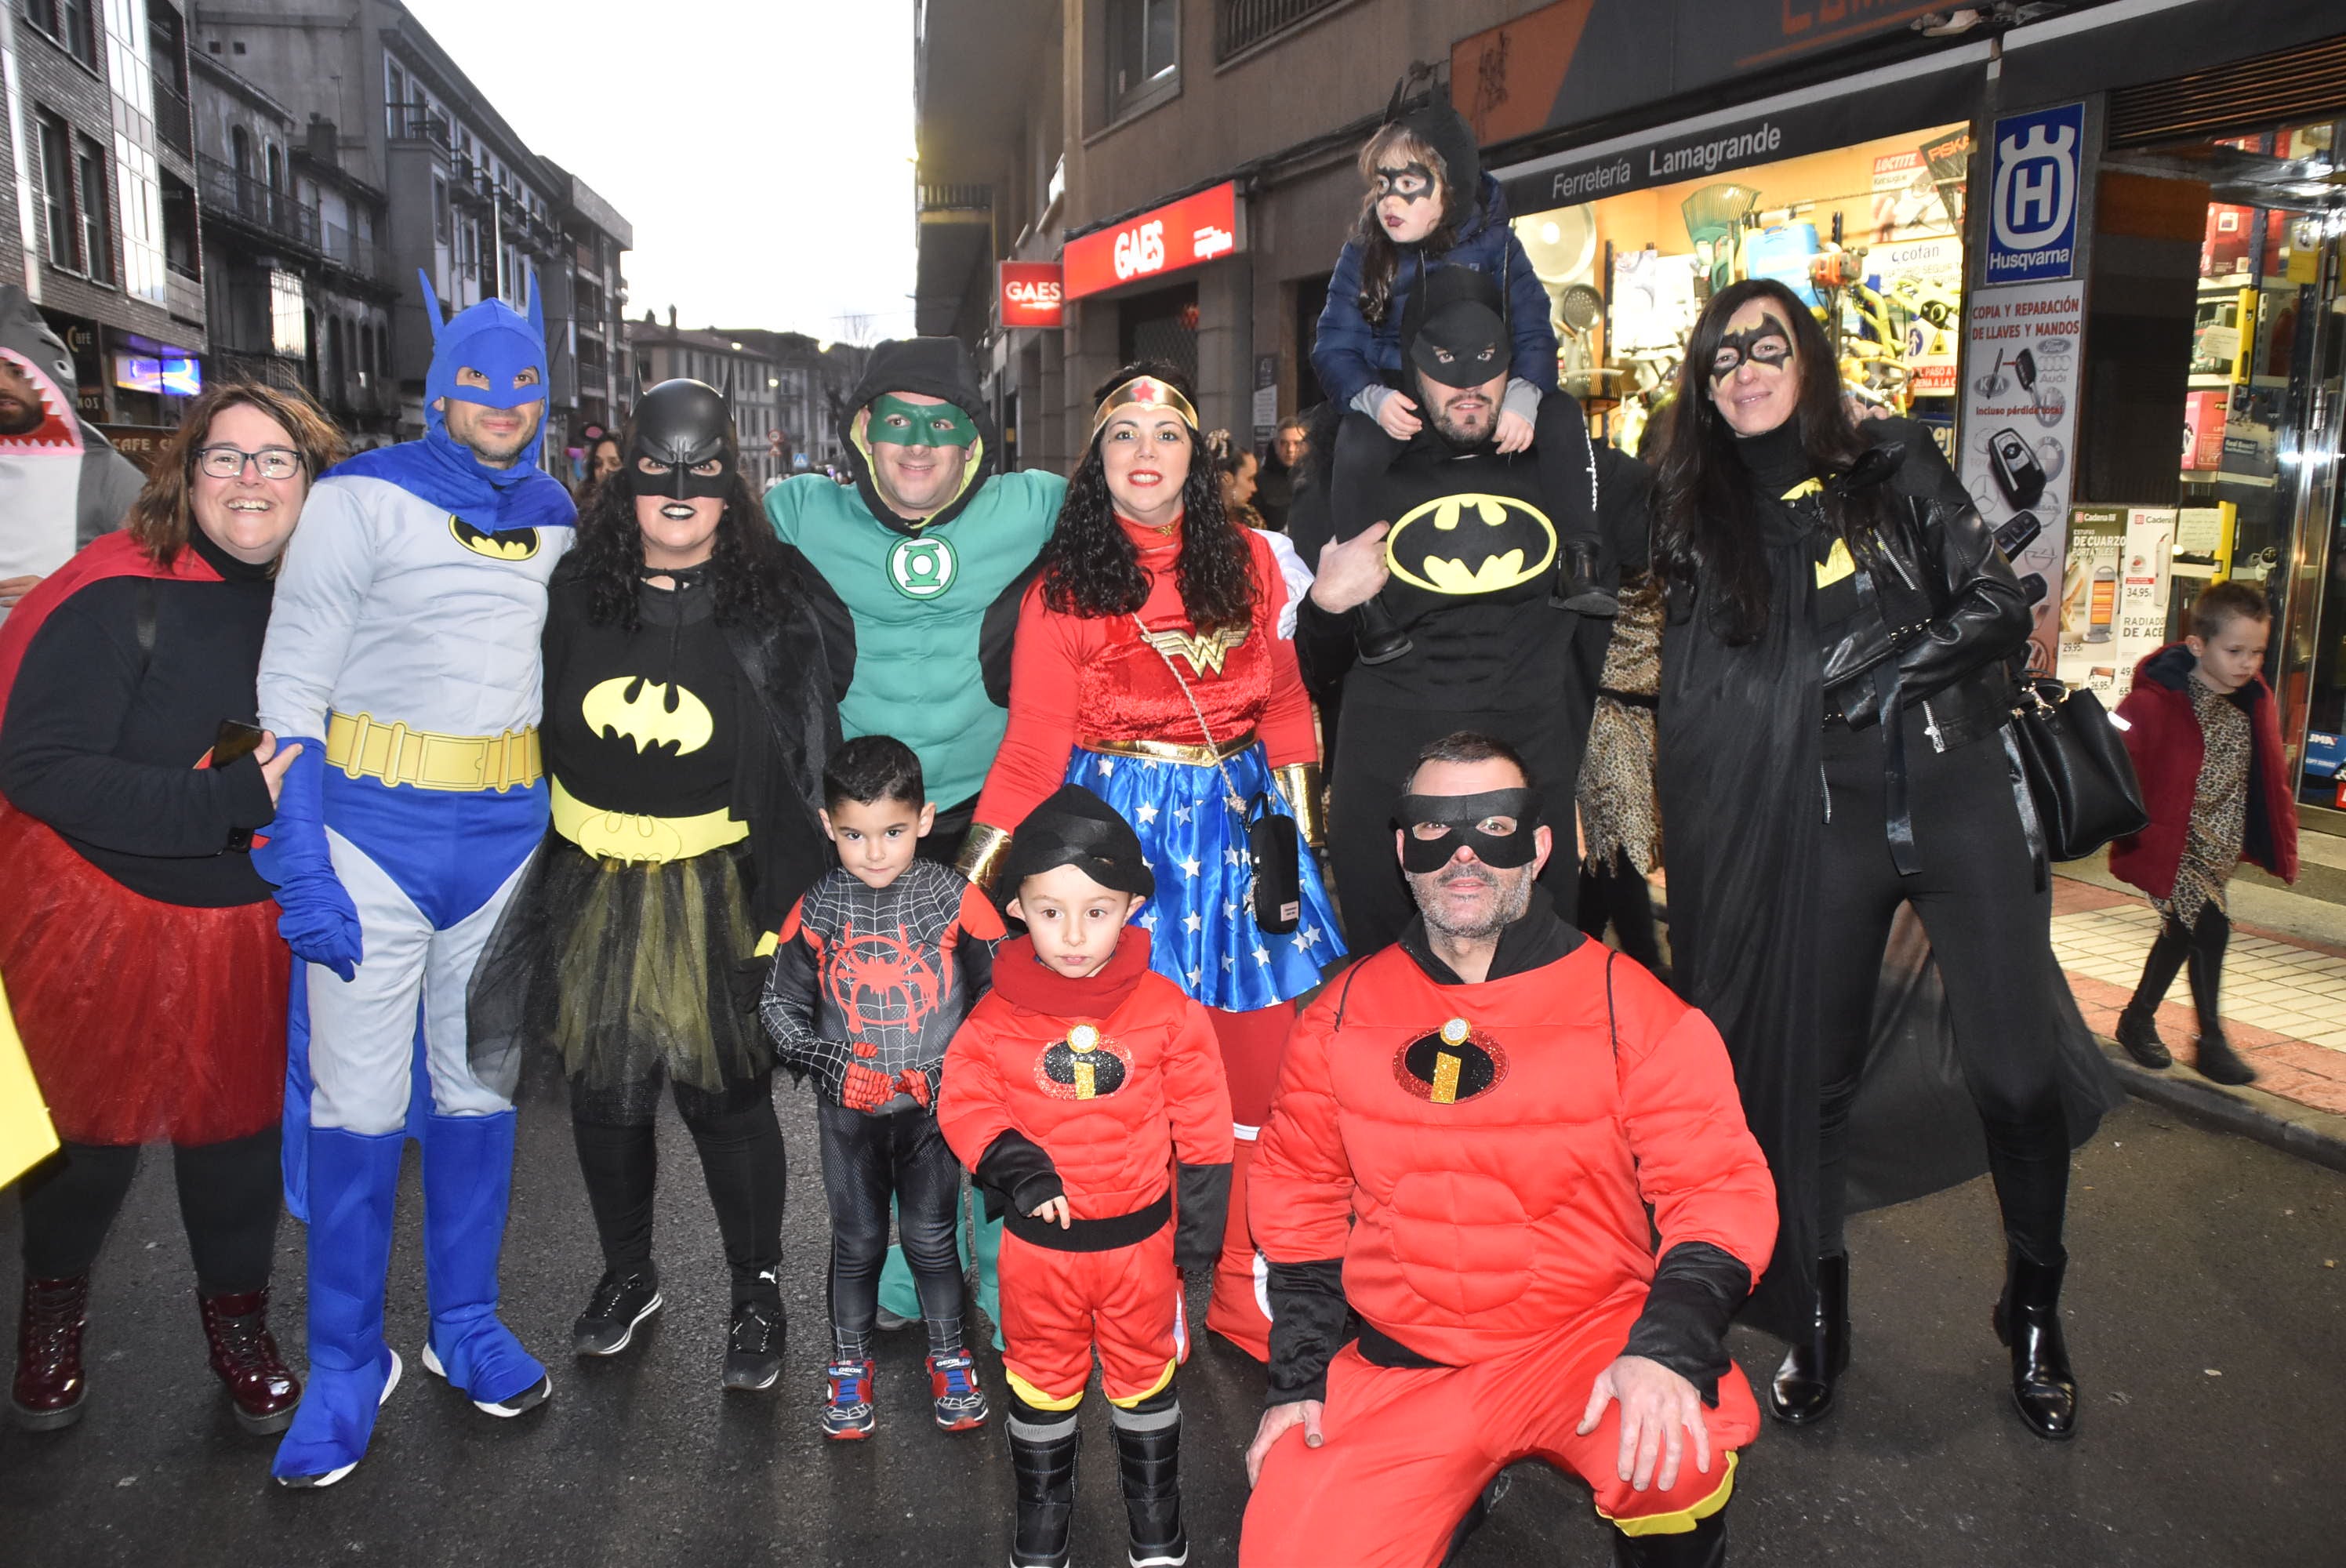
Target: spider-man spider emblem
point(885, 984)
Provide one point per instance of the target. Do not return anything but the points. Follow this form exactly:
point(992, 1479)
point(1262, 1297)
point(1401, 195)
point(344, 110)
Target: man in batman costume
point(690, 707)
point(924, 562)
point(403, 655)
point(1432, 611)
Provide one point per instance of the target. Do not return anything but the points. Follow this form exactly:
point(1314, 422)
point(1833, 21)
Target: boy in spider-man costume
point(1081, 1092)
point(874, 970)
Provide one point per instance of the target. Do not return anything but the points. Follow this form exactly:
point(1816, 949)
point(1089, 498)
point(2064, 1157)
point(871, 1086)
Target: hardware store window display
point(1869, 235)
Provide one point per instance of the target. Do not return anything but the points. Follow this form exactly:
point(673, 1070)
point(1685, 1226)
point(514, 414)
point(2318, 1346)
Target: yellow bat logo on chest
point(630, 707)
point(503, 544)
point(1204, 653)
point(1432, 548)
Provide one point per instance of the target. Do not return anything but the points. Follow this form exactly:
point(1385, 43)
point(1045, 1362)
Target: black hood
point(933, 367)
point(1432, 120)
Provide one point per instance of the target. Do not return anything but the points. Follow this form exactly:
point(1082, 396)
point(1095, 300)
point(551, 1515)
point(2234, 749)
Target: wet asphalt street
point(2207, 1317)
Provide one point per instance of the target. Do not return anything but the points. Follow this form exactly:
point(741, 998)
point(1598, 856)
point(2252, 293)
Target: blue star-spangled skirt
point(1203, 935)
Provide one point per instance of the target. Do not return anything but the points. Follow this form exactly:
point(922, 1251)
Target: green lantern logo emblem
point(922, 569)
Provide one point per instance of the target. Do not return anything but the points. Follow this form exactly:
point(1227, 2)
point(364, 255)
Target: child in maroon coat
point(2205, 743)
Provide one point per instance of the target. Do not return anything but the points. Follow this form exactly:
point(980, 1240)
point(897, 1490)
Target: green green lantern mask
point(900, 423)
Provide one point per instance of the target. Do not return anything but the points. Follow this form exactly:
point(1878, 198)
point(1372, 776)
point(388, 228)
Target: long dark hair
point(1090, 568)
point(1379, 257)
point(1706, 535)
point(609, 554)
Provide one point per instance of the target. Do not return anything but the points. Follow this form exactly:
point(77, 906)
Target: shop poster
point(2020, 430)
point(2114, 593)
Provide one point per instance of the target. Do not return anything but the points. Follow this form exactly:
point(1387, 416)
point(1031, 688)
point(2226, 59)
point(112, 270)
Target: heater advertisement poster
point(2019, 432)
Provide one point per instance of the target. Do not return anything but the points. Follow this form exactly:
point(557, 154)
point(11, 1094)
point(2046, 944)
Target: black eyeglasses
point(227, 462)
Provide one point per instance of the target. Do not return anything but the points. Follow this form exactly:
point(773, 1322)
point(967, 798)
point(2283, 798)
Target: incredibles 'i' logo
point(1085, 1065)
point(1456, 1063)
point(503, 544)
point(922, 567)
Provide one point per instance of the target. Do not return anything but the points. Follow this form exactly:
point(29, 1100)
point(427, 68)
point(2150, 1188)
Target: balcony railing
point(956, 198)
point(1244, 23)
point(233, 193)
point(172, 124)
point(349, 251)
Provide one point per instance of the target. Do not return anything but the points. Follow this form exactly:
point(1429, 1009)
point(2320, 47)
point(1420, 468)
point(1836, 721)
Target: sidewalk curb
point(2292, 1129)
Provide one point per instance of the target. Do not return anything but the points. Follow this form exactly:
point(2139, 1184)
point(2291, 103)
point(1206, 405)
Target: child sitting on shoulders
point(2205, 738)
point(875, 968)
point(1083, 1091)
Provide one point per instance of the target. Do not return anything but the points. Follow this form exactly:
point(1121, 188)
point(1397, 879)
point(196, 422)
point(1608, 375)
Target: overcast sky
point(762, 149)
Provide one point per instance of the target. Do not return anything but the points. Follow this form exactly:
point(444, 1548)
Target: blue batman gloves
point(320, 923)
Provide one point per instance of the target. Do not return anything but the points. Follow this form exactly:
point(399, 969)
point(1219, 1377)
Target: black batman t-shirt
point(644, 722)
point(1472, 550)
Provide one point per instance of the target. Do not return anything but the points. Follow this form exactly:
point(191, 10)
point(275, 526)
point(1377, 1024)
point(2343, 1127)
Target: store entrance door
point(2309, 657)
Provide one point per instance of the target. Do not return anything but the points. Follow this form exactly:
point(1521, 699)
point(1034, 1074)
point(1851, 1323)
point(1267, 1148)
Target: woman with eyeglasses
point(140, 944)
point(1834, 692)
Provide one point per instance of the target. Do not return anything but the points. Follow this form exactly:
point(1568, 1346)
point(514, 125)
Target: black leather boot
point(2215, 1058)
point(2140, 1035)
point(1374, 633)
point(2028, 1319)
point(1579, 584)
point(1148, 1461)
point(1043, 1473)
point(1802, 1390)
point(1704, 1546)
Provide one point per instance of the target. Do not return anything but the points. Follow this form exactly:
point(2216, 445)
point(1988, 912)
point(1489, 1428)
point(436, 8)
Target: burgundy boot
point(262, 1389)
point(49, 1387)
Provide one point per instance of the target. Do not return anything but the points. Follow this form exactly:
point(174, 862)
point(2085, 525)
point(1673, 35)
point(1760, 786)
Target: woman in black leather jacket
point(1833, 692)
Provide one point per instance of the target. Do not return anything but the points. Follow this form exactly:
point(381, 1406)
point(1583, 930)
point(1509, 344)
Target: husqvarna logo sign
point(2033, 195)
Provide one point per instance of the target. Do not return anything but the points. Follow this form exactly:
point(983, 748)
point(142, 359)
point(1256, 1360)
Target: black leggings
point(229, 1196)
point(2203, 943)
point(741, 1157)
point(1613, 892)
point(1991, 934)
point(866, 1160)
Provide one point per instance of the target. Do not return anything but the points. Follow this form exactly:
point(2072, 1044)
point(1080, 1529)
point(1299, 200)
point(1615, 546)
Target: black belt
point(1381, 1350)
point(1092, 1235)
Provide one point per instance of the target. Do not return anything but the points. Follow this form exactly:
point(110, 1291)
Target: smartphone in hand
point(234, 740)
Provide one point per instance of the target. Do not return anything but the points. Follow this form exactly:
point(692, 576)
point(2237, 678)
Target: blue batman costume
point(403, 655)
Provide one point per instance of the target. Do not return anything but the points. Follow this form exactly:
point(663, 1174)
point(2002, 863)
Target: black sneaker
point(620, 1302)
point(753, 1346)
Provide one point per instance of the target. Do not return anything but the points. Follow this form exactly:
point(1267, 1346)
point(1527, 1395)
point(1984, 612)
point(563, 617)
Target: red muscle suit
point(1476, 1159)
point(1092, 1088)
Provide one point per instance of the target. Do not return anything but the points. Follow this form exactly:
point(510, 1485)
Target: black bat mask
point(1767, 343)
point(1463, 816)
point(681, 424)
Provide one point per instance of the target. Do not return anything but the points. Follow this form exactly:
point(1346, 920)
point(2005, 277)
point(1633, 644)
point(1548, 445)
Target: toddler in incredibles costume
point(1077, 1091)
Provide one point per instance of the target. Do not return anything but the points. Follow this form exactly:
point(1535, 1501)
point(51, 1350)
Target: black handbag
point(2077, 769)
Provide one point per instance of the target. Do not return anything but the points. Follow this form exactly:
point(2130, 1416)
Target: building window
point(1144, 54)
point(276, 167)
point(394, 94)
point(439, 209)
point(70, 23)
point(289, 333)
point(96, 241)
point(239, 151)
point(58, 192)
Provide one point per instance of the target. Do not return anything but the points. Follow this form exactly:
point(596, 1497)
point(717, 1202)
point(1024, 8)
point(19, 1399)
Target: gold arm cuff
point(982, 854)
point(1300, 782)
point(398, 755)
point(624, 836)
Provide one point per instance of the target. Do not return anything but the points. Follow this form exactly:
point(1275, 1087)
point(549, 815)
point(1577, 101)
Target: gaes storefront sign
point(2033, 192)
point(1163, 240)
point(1030, 294)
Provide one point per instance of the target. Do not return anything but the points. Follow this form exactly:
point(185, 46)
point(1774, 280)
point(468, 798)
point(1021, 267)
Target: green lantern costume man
point(926, 559)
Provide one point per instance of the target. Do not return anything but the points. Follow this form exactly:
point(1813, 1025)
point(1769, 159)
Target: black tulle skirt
point(624, 968)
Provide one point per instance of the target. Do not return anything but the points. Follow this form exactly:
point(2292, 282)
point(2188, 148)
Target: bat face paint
point(1766, 344)
point(1435, 826)
point(1411, 182)
point(900, 423)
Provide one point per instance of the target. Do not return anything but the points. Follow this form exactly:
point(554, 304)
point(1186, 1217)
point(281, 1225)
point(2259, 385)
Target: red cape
point(114, 555)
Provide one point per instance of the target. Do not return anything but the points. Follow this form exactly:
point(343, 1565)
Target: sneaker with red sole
point(953, 1383)
point(847, 1413)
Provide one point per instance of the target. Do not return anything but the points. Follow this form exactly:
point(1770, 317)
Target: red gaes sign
point(1169, 238)
point(1030, 294)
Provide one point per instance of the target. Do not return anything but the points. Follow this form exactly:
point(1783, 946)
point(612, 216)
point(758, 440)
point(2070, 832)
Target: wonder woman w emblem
point(1204, 653)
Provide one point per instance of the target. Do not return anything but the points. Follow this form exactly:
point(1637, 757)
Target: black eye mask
point(1389, 182)
point(1460, 814)
point(1735, 348)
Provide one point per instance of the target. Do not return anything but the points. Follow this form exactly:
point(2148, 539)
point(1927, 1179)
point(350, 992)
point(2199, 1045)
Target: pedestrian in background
point(1274, 492)
point(2205, 737)
point(141, 945)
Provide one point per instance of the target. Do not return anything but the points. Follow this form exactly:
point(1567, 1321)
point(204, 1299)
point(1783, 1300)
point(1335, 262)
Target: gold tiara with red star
point(1144, 392)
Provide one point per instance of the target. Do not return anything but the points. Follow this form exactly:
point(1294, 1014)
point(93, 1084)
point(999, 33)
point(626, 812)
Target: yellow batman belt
point(1190, 752)
point(621, 836)
point(398, 755)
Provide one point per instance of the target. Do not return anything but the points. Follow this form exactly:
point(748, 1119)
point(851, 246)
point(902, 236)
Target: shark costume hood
point(62, 483)
point(932, 367)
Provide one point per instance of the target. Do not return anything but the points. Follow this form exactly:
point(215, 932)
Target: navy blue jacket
point(1349, 354)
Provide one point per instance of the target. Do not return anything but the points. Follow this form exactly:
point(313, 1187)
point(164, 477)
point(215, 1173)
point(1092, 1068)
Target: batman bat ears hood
point(1434, 121)
point(680, 424)
point(1453, 327)
point(926, 367)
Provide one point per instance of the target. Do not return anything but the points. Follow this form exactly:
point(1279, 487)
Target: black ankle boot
point(1148, 1460)
point(1704, 1546)
point(2028, 1319)
point(2140, 1035)
point(2216, 1059)
point(1374, 633)
point(1802, 1391)
point(1043, 1472)
point(1579, 585)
